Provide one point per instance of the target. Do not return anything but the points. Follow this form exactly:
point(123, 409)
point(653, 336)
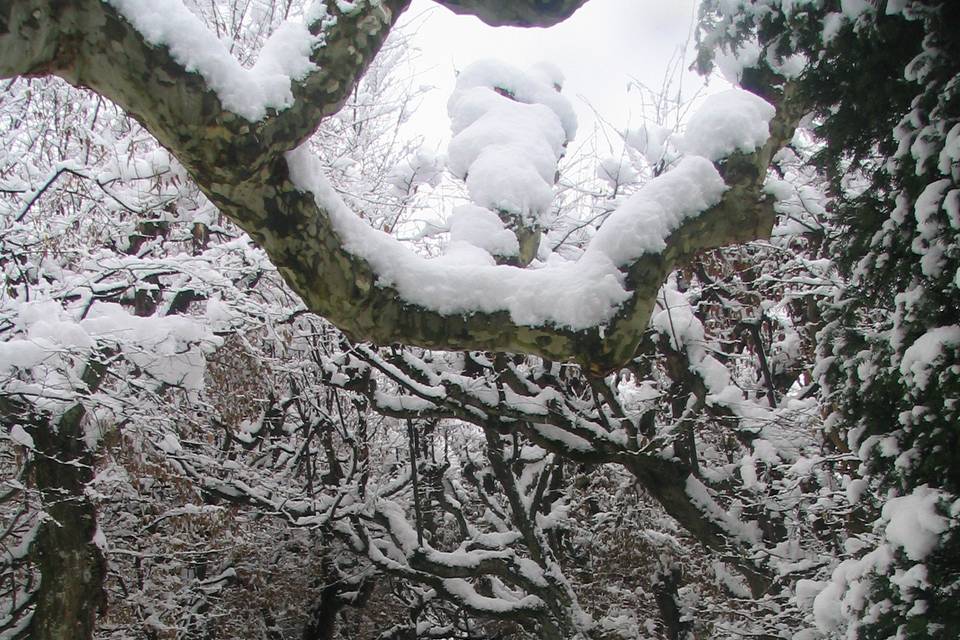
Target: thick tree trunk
point(72, 567)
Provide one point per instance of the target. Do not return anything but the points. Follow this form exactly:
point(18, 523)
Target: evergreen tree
point(881, 81)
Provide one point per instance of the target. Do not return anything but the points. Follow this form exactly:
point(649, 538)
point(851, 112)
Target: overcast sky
point(601, 49)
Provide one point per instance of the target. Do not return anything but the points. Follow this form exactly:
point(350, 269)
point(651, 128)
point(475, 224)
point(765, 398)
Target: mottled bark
point(343, 288)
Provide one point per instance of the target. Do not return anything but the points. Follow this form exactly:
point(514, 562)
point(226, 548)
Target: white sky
point(602, 49)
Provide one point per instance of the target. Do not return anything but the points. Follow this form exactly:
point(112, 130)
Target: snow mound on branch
point(54, 348)
point(921, 357)
point(643, 223)
point(732, 63)
point(482, 228)
point(910, 522)
point(913, 522)
point(509, 130)
point(423, 167)
point(19, 436)
point(732, 120)
point(616, 172)
point(539, 85)
point(249, 93)
point(650, 140)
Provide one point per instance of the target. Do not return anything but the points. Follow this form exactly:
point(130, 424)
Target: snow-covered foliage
point(887, 351)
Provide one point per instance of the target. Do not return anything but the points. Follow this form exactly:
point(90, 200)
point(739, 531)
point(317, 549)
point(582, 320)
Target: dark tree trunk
point(72, 567)
point(322, 624)
point(666, 592)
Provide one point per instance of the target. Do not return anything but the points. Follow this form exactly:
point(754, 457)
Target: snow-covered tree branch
point(237, 132)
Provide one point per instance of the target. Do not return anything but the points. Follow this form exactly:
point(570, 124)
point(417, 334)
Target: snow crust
point(249, 93)
point(53, 348)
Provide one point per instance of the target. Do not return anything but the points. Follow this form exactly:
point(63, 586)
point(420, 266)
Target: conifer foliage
point(882, 83)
